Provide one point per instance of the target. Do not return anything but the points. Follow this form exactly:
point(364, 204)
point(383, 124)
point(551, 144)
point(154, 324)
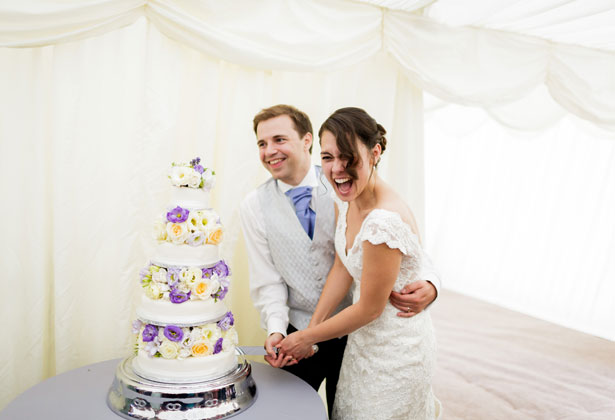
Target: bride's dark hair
point(349, 125)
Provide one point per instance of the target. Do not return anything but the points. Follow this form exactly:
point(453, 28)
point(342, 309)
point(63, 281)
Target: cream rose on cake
point(160, 231)
point(169, 349)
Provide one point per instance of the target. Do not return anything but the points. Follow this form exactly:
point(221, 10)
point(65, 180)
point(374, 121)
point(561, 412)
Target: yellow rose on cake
point(201, 348)
point(214, 236)
point(177, 232)
point(203, 288)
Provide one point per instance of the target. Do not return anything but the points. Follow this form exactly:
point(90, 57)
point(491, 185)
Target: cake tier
point(175, 255)
point(187, 370)
point(191, 198)
point(189, 313)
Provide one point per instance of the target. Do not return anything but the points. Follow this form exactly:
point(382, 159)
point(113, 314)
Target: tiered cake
point(186, 365)
point(184, 330)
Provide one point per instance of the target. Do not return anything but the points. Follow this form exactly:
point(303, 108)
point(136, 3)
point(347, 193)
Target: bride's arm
point(380, 269)
point(336, 288)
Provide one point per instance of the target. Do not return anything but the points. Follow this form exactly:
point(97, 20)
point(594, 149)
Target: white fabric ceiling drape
point(493, 64)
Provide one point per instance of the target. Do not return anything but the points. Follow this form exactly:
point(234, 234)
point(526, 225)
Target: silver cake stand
point(134, 397)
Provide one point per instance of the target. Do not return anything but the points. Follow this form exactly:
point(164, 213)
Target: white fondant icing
point(190, 313)
point(191, 198)
point(168, 254)
point(186, 370)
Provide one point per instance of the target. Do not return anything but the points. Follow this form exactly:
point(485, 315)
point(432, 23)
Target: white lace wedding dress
point(388, 364)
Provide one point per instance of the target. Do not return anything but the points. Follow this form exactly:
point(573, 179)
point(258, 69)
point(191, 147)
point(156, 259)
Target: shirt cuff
point(276, 326)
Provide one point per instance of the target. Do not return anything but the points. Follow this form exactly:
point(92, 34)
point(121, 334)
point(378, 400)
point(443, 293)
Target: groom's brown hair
point(302, 122)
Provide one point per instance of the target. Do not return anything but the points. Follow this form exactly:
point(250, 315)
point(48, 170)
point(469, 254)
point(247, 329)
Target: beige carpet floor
point(494, 364)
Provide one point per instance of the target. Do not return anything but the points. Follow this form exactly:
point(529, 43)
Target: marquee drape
point(491, 66)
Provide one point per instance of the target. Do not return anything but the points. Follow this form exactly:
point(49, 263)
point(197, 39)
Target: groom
point(289, 228)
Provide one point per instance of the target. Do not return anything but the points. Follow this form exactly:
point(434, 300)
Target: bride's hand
point(297, 346)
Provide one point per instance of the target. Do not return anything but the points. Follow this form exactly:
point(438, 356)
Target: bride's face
point(347, 187)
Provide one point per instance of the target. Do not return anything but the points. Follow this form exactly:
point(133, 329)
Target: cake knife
point(260, 350)
point(255, 350)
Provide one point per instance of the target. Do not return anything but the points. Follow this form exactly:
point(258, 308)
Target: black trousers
point(325, 364)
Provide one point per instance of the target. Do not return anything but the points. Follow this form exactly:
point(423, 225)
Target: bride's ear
point(376, 153)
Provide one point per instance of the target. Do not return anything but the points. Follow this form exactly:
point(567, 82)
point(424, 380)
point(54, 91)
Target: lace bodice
point(388, 364)
point(380, 227)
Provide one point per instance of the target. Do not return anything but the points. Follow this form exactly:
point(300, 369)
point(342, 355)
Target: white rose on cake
point(169, 349)
point(179, 175)
point(160, 275)
point(153, 291)
point(194, 179)
point(230, 339)
point(194, 221)
point(160, 231)
point(210, 332)
point(209, 179)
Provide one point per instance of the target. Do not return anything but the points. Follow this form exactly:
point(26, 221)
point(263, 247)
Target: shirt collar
point(310, 180)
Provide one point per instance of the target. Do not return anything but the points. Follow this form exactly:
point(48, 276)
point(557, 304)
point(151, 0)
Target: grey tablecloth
point(81, 394)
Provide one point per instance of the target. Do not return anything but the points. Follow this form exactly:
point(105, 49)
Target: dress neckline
point(354, 241)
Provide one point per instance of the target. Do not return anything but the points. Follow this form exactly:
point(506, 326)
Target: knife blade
point(254, 350)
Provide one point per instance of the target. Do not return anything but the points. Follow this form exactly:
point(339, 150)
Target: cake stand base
point(134, 397)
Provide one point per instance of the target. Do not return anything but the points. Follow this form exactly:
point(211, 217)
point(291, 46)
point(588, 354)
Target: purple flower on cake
point(226, 322)
point(178, 215)
point(152, 347)
point(136, 326)
point(173, 333)
point(218, 346)
point(207, 272)
point(224, 282)
point(149, 333)
point(195, 161)
point(145, 274)
point(221, 269)
point(173, 275)
point(196, 239)
point(199, 168)
point(177, 296)
point(220, 294)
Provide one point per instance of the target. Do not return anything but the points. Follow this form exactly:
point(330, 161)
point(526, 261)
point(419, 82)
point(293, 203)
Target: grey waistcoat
point(303, 263)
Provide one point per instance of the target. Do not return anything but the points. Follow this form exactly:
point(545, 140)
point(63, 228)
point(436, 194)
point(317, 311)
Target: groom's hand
point(278, 359)
point(413, 298)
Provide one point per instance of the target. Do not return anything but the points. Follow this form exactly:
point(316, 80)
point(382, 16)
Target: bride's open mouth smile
point(343, 185)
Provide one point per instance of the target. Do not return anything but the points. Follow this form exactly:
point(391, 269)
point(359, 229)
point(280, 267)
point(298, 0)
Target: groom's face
point(282, 152)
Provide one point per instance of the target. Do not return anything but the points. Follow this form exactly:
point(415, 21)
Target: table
point(68, 396)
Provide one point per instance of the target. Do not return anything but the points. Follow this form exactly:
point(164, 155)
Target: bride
point(389, 361)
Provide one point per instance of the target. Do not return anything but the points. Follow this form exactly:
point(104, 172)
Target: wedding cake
point(184, 331)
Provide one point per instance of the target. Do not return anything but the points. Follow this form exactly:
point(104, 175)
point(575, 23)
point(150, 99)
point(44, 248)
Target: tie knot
point(301, 196)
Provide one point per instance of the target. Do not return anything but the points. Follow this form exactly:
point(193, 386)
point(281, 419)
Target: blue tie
point(301, 197)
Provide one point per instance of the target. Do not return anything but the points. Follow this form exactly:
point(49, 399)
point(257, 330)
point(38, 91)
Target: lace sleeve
point(386, 227)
